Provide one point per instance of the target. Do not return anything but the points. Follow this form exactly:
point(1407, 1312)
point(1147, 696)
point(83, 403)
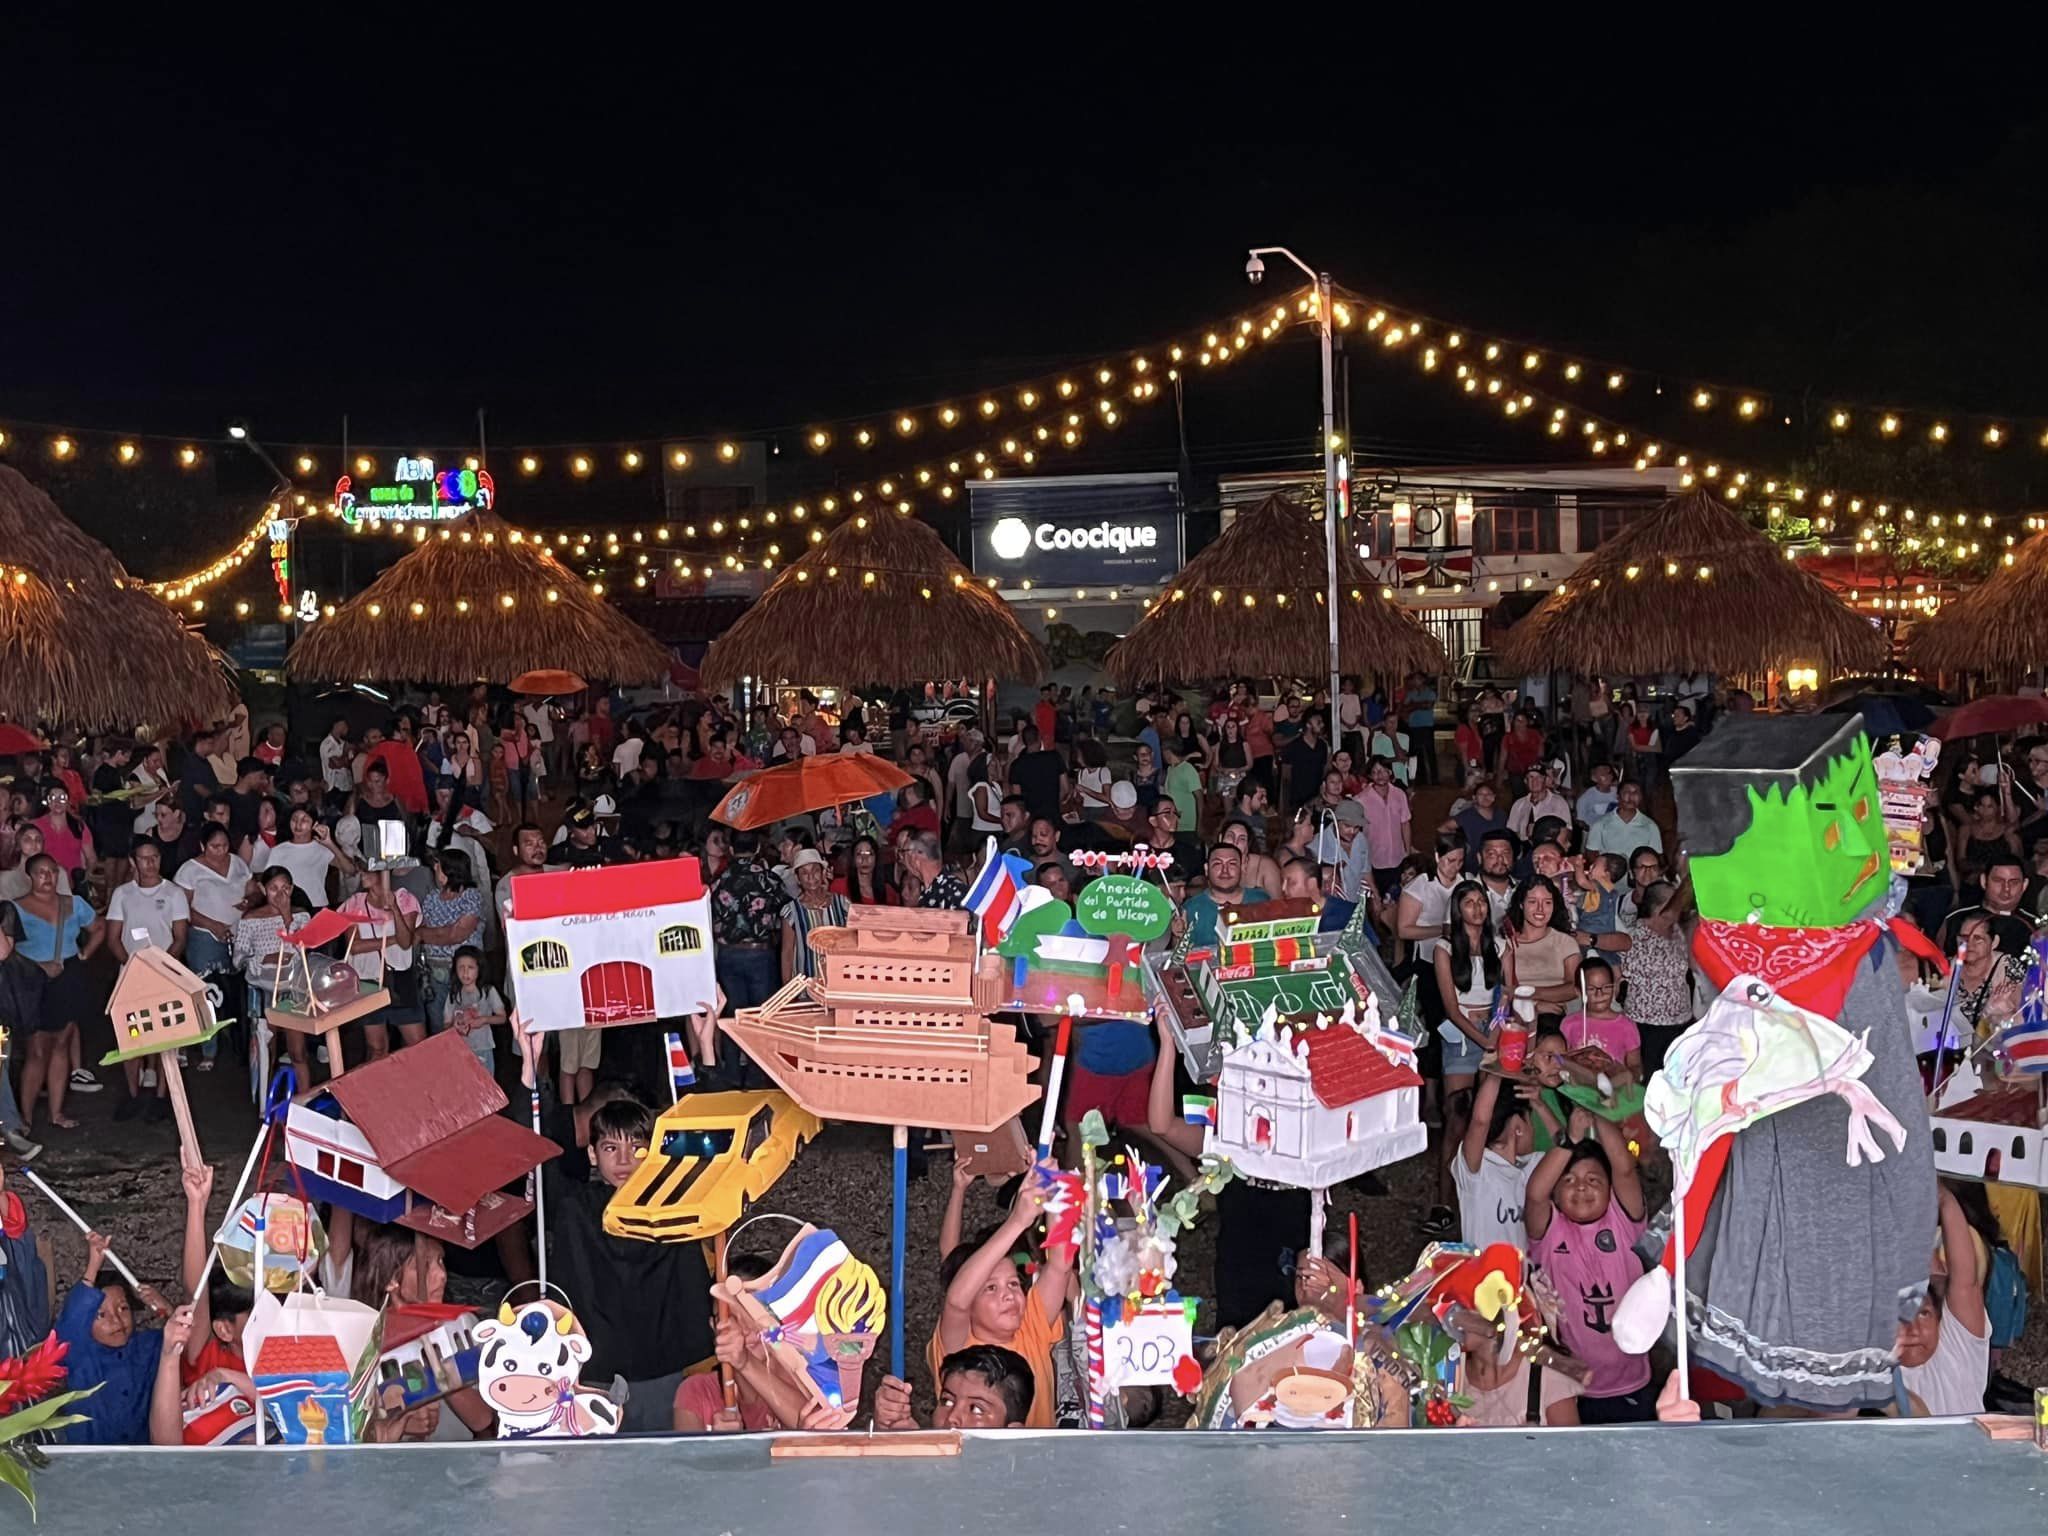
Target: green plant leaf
point(41, 1415)
point(15, 1476)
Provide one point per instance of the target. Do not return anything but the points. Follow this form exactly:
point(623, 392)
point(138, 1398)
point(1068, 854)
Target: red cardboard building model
point(417, 1138)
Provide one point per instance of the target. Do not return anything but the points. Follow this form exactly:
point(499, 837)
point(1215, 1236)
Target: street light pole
point(1325, 321)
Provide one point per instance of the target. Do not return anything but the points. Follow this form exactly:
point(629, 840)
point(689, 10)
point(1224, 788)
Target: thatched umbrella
point(81, 641)
point(1999, 629)
point(1692, 587)
point(476, 602)
point(881, 600)
point(1254, 604)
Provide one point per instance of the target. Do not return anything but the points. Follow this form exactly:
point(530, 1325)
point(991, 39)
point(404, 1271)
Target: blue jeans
point(749, 978)
point(434, 976)
point(207, 956)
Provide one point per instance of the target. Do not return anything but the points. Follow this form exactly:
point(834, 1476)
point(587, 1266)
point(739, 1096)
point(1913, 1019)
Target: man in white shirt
point(1540, 801)
point(335, 770)
point(149, 911)
point(1600, 797)
point(1627, 827)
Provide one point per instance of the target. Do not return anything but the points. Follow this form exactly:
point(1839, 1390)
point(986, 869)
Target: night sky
point(634, 235)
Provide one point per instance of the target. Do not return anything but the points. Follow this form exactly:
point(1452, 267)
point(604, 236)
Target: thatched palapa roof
point(1691, 587)
point(1999, 628)
point(476, 602)
point(1203, 627)
point(81, 641)
point(880, 600)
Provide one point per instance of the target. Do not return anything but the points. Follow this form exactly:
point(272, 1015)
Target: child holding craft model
point(986, 1302)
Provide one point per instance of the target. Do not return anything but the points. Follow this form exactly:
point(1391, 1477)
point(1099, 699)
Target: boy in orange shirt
point(987, 1303)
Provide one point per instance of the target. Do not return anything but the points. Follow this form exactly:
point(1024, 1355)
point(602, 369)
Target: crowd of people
point(1545, 878)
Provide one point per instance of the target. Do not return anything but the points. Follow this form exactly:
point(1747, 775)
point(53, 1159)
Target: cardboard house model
point(625, 945)
point(430, 1350)
point(417, 1138)
point(1314, 1101)
point(158, 1005)
point(897, 1031)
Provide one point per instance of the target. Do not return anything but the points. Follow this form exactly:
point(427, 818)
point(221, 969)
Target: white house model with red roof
point(1311, 1102)
point(624, 945)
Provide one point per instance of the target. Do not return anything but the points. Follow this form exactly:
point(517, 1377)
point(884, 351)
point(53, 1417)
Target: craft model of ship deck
point(897, 1031)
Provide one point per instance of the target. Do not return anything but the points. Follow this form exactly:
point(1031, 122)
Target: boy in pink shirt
point(1584, 1211)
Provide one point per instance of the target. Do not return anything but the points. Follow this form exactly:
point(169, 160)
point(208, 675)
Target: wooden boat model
point(895, 1032)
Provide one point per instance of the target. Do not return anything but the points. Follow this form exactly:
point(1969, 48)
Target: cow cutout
point(532, 1361)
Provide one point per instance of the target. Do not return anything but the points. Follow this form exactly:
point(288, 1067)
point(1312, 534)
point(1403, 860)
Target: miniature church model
point(1312, 1102)
point(600, 947)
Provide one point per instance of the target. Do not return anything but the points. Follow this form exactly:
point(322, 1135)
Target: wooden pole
point(727, 1385)
point(174, 1082)
point(898, 1221)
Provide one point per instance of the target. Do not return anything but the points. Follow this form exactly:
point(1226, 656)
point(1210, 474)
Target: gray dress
point(1797, 1286)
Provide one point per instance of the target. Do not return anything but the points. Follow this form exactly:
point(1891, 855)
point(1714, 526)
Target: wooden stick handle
point(174, 1081)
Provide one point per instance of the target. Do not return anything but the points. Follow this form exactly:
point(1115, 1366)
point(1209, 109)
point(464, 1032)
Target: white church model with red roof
point(598, 947)
point(1312, 1102)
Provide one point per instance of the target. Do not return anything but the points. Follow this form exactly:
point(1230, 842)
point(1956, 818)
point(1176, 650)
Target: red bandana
point(13, 1214)
point(1813, 967)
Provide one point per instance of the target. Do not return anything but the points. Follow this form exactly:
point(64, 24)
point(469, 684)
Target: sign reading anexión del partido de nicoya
point(417, 492)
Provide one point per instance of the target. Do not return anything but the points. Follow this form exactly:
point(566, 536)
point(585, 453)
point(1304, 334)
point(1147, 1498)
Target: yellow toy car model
point(713, 1155)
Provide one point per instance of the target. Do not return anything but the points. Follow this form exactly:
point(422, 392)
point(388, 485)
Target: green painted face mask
point(1782, 821)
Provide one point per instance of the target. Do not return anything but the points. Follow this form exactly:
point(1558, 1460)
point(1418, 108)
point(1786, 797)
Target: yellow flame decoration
point(852, 1300)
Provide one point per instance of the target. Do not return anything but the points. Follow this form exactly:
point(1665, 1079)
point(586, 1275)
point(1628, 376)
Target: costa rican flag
point(1198, 1110)
point(2027, 1049)
point(681, 1074)
point(794, 1298)
point(996, 897)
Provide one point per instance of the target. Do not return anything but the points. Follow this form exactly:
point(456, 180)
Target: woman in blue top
point(59, 933)
point(98, 1322)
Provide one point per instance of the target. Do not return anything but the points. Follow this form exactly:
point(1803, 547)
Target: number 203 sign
point(1142, 1347)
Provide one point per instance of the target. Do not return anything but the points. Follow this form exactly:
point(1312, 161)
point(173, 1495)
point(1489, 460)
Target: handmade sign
point(312, 1359)
point(819, 1312)
point(530, 1372)
point(1268, 956)
point(159, 1006)
point(1903, 791)
point(712, 1156)
point(280, 1235)
point(430, 1350)
point(418, 1138)
point(896, 1032)
point(602, 947)
point(1790, 863)
point(1119, 904)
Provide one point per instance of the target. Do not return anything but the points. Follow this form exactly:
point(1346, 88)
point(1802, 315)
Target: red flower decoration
point(29, 1378)
point(1187, 1375)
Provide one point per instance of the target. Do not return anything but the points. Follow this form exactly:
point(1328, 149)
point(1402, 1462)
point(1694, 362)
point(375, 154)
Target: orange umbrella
point(548, 680)
point(808, 784)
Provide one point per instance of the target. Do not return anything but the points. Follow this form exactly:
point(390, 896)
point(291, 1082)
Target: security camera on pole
point(1255, 272)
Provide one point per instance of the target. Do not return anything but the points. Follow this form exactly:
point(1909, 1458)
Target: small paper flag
point(681, 1074)
point(1198, 1110)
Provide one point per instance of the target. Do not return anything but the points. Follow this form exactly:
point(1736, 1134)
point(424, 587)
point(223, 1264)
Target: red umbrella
point(808, 784)
point(548, 680)
point(14, 741)
point(1996, 716)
